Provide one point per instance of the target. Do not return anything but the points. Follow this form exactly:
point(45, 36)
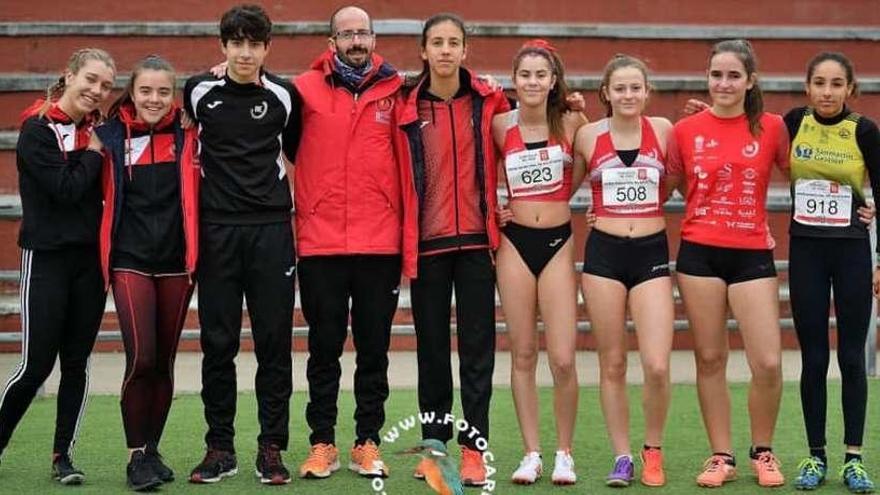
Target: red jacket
point(114, 134)
point(346, 185)
point(431, 223)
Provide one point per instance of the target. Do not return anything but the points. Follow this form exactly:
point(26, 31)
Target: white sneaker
point(529, 470)
point(563, 469)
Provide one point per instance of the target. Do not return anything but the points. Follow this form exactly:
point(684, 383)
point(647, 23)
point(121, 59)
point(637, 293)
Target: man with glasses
point(348, 229)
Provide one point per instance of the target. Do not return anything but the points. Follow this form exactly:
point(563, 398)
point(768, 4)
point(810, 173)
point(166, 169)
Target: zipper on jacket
point(154, 187)
point(354, 107)
point(454, 169)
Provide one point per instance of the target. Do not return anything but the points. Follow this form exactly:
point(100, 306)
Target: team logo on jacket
point(259, 111)
point(751, 150)
point(383, 110)
point(844, 133)
point(385, 104)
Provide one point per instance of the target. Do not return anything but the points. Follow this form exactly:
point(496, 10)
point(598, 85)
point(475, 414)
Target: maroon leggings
point(151, 312)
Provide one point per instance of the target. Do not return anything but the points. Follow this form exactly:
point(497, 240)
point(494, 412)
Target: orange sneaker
point(366, 461)
point(652, 467)
point(766, 468)
point(323, 459)
point(716, 472)
point(472, 470)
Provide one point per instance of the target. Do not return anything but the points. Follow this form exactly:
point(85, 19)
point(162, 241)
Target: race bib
point(631, 190)
point(533, 172)
point(822, 202)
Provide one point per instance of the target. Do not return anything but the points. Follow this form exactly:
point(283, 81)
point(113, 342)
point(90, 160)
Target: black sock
point(649, 447)
point(851, 455)
point(820, 453)
point(728, 458)
point(754, 452)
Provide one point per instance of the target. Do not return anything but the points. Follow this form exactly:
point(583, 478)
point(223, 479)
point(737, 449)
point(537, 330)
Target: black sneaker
point(64, 472)
point(140, 474)
point(216, 465)
point(270, 466)
point(154, 459)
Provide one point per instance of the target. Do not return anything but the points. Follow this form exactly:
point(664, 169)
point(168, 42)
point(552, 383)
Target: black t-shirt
point(243, 130)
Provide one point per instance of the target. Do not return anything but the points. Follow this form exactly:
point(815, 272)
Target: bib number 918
point(631, 193)
point(537, 175)
point(822, 207)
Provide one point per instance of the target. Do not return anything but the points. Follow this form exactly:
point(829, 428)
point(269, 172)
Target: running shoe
point(154, 459)
point(216, 465)
point(811, 474)
point(622, 473)
point(366, 461)
point(652, 467)
point(855, 478)
point(322, 461)
point(563, 469)
point(766, 468)
point(529, 471)
point(139, 474)
point(472, 469)
point(64, 472)
point(270, 466)
point(716, 472)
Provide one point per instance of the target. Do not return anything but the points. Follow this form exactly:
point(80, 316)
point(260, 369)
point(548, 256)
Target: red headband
point(540, 43)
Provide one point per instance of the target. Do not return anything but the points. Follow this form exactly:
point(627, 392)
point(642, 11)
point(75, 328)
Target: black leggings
point(472, 276)
point(817, 265)
point(151, 313)
point(62, 301)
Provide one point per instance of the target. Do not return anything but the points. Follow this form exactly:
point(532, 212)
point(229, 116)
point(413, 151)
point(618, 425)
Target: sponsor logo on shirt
point(803, 151)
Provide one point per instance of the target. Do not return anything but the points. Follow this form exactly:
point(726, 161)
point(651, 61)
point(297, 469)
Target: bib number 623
point(537, 175)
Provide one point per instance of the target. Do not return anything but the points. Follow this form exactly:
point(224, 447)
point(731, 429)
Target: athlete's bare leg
point(705, 300)
point(755, 304)
point(606, 305)
point(557, 299)
point(653, 313)
point(518, 290)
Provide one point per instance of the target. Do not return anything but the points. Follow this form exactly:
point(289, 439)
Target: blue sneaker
point(855, 478)
point(811, 474)
point(622, 474)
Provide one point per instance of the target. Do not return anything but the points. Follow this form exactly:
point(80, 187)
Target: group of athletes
point(397, 175)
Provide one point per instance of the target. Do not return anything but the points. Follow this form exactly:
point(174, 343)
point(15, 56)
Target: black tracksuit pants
point(817, 265)
point(62, 301)
point(257, 262)
point(326, 284)
point(472, 275)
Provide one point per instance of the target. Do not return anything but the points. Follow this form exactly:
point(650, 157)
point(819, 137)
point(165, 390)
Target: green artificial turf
point(101, 452)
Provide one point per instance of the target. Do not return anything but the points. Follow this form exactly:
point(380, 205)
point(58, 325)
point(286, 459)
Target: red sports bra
point(540, 174)
point(635, 191)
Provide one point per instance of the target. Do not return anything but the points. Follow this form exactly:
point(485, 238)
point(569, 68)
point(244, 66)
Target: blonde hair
point(76, 62)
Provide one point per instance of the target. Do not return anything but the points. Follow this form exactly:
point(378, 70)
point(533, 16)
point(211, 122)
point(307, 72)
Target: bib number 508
point(631, 193)
point(534, 176)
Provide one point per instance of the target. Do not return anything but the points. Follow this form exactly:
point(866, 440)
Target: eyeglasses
point(350, 35)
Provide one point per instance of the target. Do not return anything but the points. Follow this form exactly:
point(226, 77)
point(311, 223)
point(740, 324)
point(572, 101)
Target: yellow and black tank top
point(830, 160)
